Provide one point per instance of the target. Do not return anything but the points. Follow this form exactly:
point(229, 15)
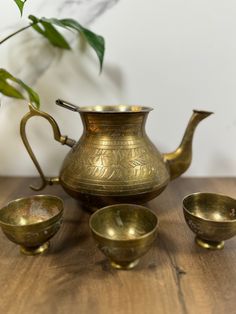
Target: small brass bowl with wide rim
point(124, 232)
point(31, 221)
point(212, 217)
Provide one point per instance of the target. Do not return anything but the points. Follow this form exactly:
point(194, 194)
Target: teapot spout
point(179, 160)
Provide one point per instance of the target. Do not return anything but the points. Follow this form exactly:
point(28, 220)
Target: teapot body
point(114, 161)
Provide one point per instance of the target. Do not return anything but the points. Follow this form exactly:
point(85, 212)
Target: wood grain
point(74, 277)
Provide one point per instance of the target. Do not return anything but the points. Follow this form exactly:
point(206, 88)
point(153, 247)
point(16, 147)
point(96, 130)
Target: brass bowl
point(32, 221)
point(212, 217)
point(124, 232)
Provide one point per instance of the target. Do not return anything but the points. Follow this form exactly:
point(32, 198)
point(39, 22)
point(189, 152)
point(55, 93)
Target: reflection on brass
point(212, 217)
point(32, 221)
point(114, 161)
point(124, 232)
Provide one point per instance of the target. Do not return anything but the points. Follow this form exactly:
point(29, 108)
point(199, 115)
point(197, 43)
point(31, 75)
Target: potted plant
point(49, 28)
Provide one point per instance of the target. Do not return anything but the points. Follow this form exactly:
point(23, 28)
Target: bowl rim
point(123, 240)
point(61, 210)
point(205, 219)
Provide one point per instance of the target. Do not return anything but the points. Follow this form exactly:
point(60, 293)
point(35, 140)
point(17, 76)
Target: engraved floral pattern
point(194, 226)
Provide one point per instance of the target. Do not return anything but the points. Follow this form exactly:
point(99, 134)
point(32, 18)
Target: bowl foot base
point(124, 265)
point(34, 250)
point(212, 245)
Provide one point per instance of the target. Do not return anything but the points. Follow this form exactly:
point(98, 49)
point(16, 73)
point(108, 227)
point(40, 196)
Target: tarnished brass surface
point(32, 221)
point(212, 217)
point(64, 140)
point(179, 160)
point(114, 161)
point(124, 232)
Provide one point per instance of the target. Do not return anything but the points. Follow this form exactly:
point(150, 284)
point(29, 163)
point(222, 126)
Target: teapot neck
point(97, 123)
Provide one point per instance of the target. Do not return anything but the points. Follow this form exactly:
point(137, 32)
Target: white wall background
point(171, 55)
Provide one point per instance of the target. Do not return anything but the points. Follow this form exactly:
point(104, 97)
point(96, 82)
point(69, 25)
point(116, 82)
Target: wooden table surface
point(175, 276)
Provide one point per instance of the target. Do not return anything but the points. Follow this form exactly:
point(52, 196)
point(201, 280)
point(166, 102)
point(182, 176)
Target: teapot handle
point(64, 140)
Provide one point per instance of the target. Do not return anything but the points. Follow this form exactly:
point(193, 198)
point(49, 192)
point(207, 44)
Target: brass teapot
point(114, 161)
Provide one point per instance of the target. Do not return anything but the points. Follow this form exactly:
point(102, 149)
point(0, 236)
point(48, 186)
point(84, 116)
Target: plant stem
point(17, 32)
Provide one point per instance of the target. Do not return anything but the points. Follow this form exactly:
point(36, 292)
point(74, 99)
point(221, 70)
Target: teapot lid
point(104, 109)
point(114, 109)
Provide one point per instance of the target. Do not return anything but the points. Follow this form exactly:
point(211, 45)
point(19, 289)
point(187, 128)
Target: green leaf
point(20, 4)
point(97, 42)
point(50, 32)
point(8, 90)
